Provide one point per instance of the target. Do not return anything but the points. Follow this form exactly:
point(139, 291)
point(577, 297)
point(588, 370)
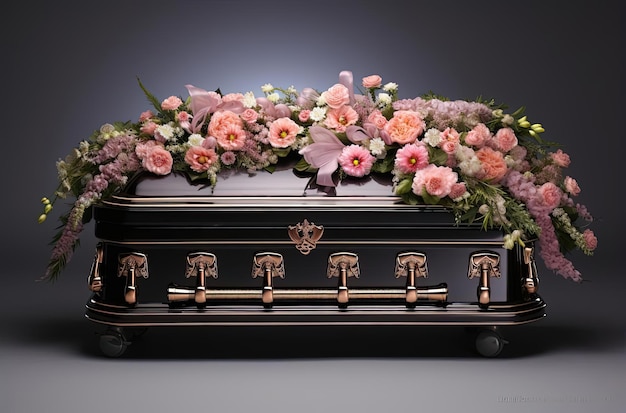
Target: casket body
point(273, 249)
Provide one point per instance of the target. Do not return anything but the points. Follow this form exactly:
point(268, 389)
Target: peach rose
point(171, 103)
point(337, 96)
point(404, 127)
point(222, 122)
point(493, 166)
point(377, 118)
point(372, 81)
point(283, 133)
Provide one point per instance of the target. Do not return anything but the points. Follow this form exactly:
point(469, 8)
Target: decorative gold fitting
point(94, 280)
point(131, 266)
point(343, 265)
point(201, 265)
point(484, 264)
point(531, 282)
point(268, 265)
point(411, 265)
point(305, 235)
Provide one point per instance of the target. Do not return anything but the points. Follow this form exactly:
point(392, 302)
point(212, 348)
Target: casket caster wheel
point(488, 342)
point(113, 343)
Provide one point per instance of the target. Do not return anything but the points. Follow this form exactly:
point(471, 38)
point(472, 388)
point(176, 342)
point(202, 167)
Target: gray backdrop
point(68, 67)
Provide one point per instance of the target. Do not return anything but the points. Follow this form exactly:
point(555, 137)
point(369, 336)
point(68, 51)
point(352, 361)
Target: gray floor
point(571, 361)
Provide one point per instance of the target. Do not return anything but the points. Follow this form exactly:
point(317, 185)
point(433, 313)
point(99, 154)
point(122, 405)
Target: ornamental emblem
point(305, 235)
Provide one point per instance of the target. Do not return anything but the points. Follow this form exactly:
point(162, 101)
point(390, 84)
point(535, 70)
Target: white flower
point(508, 120)
point(292, 90)
point(273, 97)
point(166, 131)
point(267, 88)
point(432, 137)
point(321, 100)
point(384, 99)
point(106, 128)
point(195, 139)
point(390, 87)
point(249, 100)
point(377, 147)
point(318, 114)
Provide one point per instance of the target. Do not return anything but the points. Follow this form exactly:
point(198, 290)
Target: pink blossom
point(209, 142)
point(158, 161)
point(200, 159)
point(560, 158)
point(478, 136)
point(148, 128)
point(146, 115)
point(591, 242)
point(493, 166)
point(450, 140)
point(571, 186)
point(550, 195)
point(142, 149)
point(377, 118)
point(228, 158)
point(339, 119)
point(184, 120)
point(355, 160)
point(458, 190)
point(404, 127)
point(283, 133)
point(222, 123)
point(372, 81)
point(304, 115)
point(411, 157)
point(249, 115)
point(231, 137)
point(435, 180)
point(233, 97)
point(505, 139)
point(171, 103)
point(337, 96)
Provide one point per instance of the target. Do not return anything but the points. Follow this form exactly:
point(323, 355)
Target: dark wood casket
point(273, 249)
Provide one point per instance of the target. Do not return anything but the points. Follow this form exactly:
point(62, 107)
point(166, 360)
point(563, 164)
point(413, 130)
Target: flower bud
point(41, 218)
point(537, 127)
point(47, 208)
point(45, 201)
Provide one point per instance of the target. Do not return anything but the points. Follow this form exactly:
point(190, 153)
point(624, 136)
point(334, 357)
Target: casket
point(275, 249)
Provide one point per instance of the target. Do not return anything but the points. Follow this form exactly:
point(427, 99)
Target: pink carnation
point(283, 133)
point(550, 195)
point(356, 161)
point(571, 186)
point(458, 190)
point(171, 103)
point(560, 158)
point(142, 149)
point(505, 139)
point(411, 157)
point(148, 128)
point(146, 115)
point(404, 127)
point(200, 159)
point(158, 161)
point(478, 136)
point(493, 166)
point(228, 158)
point(435, 180)
point(590, 239)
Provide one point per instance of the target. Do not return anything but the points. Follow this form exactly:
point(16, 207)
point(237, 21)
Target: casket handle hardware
point(484, 264)
point(531, 282)
point(201, 265)
point(268, 265)
point(411, 265)
point(94, 280)
point(343, 265)
point(305, 235)
point(131, 265)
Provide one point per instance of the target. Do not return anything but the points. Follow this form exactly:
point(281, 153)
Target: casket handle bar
point(411, 265)
point(268, 265)
point(484, 264)
point(94, 280)
point(131, 265)
point(201, 265)
point(343, 265)
point(531, 282)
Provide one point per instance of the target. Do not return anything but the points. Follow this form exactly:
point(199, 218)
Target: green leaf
point(151, 98)
point(404, 187)
point(437, 156)
point(304, 166)
point(430, 199)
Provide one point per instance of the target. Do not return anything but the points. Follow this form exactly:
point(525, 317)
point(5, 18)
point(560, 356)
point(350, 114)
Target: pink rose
point(148, 128)
point(200, 159)
point(373, 81)
point(304, 115)
point(505, 139)
point(450, 140)
point(146, 115)
point(337, 96)
point(142, 149)
point(249, 115)
point(560, 158)
point(478, 136)
point(493, 166)
point(404, 127)
point(550, 195)
point(283, 133)
point(171, 103)
point(571, 186)
point(377, 119)
point(158, 161)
